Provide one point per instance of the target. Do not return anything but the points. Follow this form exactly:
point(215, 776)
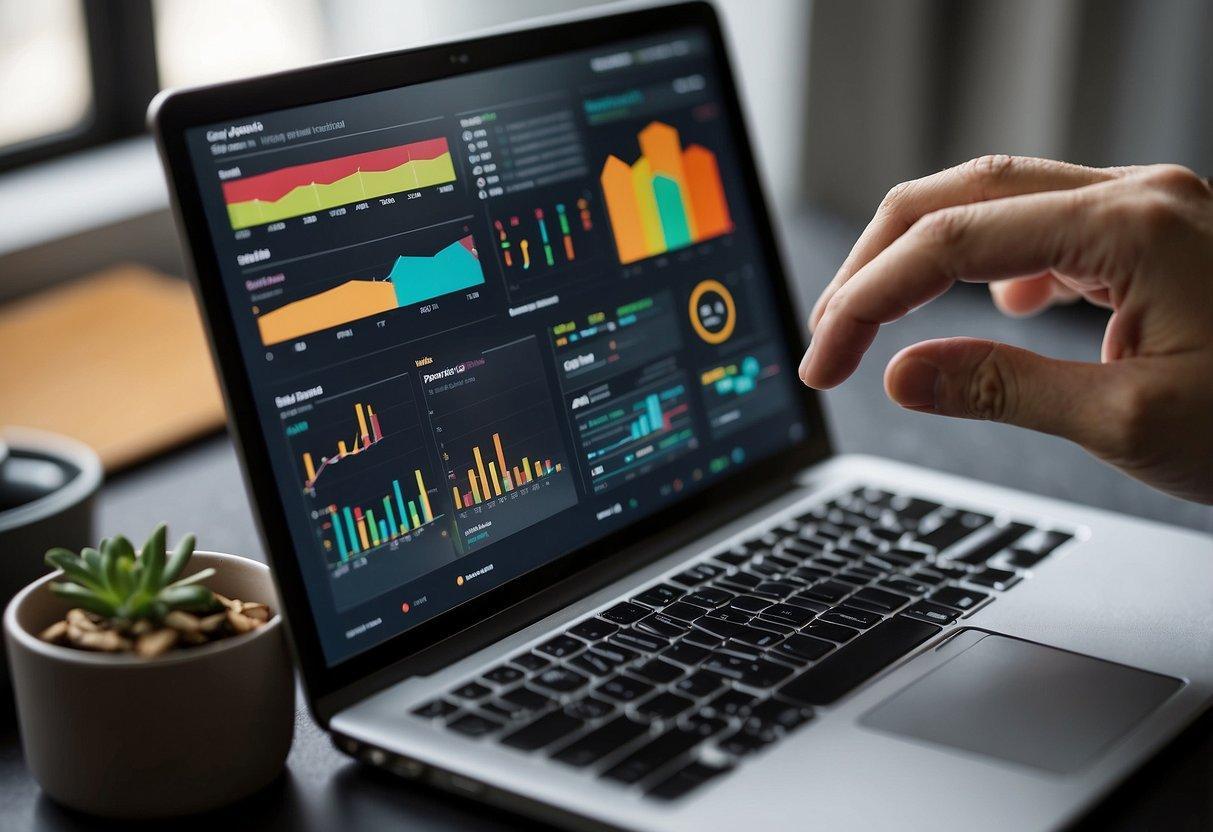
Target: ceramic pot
point(127, 737)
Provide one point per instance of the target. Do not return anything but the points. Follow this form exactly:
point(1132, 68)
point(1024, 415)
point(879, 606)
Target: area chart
point(316, 186)
point(411, 280)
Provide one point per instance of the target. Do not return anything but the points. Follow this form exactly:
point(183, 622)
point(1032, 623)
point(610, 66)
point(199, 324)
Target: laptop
point(509, 356)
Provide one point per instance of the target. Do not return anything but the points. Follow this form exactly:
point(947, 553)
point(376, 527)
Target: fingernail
point(804, 362)
point(915, 384)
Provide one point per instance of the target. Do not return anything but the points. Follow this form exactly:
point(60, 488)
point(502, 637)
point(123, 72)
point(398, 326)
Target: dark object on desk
point(126, 737)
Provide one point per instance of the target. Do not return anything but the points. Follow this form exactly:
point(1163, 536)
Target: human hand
point(1136, 240)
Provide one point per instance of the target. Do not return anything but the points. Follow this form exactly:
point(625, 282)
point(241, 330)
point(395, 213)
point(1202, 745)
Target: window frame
point(120, 38)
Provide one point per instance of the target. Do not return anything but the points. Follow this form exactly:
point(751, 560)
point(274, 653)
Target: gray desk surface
point(199, 489)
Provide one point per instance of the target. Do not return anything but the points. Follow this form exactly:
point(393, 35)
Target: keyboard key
point(750, 604)
point(928, 577)
point(543, 731)
point(661, 625)
point(504, 675)
point(625, 613)
point(526, 699)
point(473, 725)
point(709, 597)
point(685, 652)
point(699, 684)
point(653, 755)
point(659, 671)
point(683, 612)
point(731, 614)
point(594, 663)
point(775, 589)
point(799, 600)
point(659, 596)
point(616, 652)
point(733, 557)
point(717, 627)
point(624, 689)
point(958, 597)
point(503, 712)
point(438, 708)
point(560, 680)
point(685, 780)
point(600, 742)
point(758, 637)
point(697, 575)
point(704, 724)
point(778, 714)
point(665, 705)
point(833, 632)
point(472, 690)
point(878, 600)
point(954, 529)
point(999, 579)
point(934, 613)
point(593, 629)
point(753, 673)
point(789, 614)
point(851, 665)
point(733, 702)
point(589, 708)
point(887, 535)
point(644, 642)
point(905, 586)
point(701, 638)
point(1036, 547)
point(910, 510)
point(831, 592)
point(991, 546)
point(529, 661)
point(812, 574)
point(849, 616)
point(561, 646)
point(801, 648)
point(744, 742)
point(741, 581)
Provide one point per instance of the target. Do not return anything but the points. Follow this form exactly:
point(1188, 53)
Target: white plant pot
point(127, 737)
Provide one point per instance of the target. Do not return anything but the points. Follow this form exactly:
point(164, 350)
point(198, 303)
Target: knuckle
point(987, 171)
point(895, 200)
point(1135, 407)
point(990, 392)
point(1177, 180)
point(1158, 216)
point(945, 228)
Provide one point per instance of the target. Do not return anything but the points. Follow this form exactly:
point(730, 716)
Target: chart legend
point(316, 186)
point(668, 199)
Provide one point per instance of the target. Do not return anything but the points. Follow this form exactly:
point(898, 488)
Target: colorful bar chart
point(368, 434)
point(499, 477)
point(543, 238)
point(303, 189)
point(358, 529)
point(412, 279)
point(667, 199)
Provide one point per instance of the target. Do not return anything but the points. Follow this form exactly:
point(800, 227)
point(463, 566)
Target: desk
point(198, 489)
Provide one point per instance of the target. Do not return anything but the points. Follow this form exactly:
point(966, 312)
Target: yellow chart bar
point(366, 544)
point(484, 480)
point(361, 421)
point(557, 467)
point(309, 467)
point(494, 478)
point(538, 470)
point(425, 497)
point(646, 203)
point(458, 499)
point(341, 449)
point(526, 469)
point(475, 490)
point(501, 466)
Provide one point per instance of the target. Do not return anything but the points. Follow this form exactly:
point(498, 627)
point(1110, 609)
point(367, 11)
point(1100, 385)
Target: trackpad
point(1024, 703)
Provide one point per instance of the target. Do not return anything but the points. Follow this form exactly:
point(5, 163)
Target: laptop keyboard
point(693, 675)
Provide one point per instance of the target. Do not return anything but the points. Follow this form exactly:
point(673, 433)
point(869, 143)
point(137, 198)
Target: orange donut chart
point(725, 331)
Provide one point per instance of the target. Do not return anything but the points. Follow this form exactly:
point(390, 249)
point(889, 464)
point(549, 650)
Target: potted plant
point(150, 684)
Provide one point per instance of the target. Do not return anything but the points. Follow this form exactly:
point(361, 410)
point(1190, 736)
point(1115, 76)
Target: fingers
point(1026, 235)
point(985, 178)
point(1024, 296)
point(972, 378)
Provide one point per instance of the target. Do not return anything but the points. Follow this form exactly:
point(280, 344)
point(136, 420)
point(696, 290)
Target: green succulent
point(113, 581)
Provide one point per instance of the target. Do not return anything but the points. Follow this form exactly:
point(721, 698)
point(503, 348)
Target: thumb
point(975, 379)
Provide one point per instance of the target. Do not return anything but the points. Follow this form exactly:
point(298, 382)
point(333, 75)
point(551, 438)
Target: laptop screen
point(492, 318)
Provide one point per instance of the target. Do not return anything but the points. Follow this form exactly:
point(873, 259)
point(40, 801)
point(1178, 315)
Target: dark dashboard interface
point(492, 318)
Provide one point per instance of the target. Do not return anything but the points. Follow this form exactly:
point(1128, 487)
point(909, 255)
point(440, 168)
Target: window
point(45, 83)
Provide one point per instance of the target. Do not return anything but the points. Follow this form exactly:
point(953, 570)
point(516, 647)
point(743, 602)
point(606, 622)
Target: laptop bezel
point(173, 112)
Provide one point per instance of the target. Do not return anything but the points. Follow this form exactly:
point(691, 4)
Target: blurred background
point(845, 99)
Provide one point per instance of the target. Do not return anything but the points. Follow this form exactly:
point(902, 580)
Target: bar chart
point(668, 199)
point(635, 430)
point(498, 440)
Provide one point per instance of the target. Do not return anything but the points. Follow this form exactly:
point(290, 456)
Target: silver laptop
point(509, 354)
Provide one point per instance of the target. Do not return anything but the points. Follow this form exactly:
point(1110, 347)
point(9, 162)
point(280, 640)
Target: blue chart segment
point(630, 434)
point(736, 392)
point(453, 269)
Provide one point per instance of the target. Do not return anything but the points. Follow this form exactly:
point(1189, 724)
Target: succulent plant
point(115, 582)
